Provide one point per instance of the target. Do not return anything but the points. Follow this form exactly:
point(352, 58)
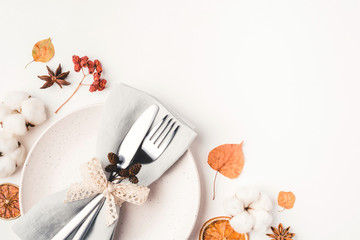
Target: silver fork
point(154, 144)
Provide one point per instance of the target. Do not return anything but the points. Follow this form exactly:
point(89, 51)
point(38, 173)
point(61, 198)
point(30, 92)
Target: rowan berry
point(98, 66)
point(97, 76)
point(77, 67)
point(91, 66)
point(83, 61)
point(76, 59)
point(102, 84)
point(92, 88)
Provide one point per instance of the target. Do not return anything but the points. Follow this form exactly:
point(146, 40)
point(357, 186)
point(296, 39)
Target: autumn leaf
point(286, 200)
point(228, 159)
point(43, 51)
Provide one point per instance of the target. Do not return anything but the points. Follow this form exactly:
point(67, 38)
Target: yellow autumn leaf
point(43, 51)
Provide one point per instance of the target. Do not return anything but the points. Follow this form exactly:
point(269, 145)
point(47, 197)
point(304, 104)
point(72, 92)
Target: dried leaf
point(286, 199)
point(43, 51)
point(228, 159)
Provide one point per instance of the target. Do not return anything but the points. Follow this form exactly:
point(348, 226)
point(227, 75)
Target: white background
point(281, 75)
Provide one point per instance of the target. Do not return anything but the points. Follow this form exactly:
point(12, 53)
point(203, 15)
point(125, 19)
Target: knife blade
point(127, 150)
point(136, 135)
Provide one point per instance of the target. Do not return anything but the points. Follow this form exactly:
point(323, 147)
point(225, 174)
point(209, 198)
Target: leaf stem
point(77, 88)
point(29, 63)
point(214, 184)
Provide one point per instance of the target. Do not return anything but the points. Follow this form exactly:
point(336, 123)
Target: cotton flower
point(250, 210)
point(247, 195)
point(4, 111)
point(7, 144)
point(19, 155)
point(15, 124)
point(233, 206)
point(33, 111)
point(18, 112)
point(263, 203)
point(7, 166)
point(262, 220)
point(12, 154)
point(242, 223)
point(14, 99)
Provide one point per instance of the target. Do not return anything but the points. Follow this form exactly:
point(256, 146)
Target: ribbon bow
point(94, 182)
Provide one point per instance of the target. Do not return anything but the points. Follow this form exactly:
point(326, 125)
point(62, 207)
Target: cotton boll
point(242, 223)
point(247, 195)
point(15, 124)
point(14, 99)
point(33, 110)
point(7, 166)
point(7, 143)
point(233, 206)
point(263, 203)
point(4, 111)
point(262, 220)
point(19, 155)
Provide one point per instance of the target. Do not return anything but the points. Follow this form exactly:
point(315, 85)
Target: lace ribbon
point(94, 182)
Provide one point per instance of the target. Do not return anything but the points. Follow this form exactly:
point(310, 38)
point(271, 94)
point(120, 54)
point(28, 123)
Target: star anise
point(280, 233)
point(58, 77)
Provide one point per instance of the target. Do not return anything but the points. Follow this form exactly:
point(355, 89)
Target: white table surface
point(281, 75)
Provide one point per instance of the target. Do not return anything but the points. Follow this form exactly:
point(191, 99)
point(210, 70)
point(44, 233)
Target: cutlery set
point(142, 144)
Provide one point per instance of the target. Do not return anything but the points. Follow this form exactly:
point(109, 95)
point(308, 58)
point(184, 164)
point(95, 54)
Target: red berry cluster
point(94, 68)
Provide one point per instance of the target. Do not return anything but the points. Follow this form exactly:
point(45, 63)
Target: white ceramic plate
point(53, 164)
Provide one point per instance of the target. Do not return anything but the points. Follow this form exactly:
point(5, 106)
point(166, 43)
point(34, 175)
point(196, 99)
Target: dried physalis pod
point(113, 158)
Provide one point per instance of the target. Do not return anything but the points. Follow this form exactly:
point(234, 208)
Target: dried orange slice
point(9, 201)
point(219, 228)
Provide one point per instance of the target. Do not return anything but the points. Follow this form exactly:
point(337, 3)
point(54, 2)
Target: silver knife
point(127, 150)
point(136, 135)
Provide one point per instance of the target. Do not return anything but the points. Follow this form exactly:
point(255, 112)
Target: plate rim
point(27, 160)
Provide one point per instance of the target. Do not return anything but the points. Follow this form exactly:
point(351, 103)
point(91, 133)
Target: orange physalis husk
point(9, 201)
point(286, 200)
point(228, 159)
point(43, 51)
point(219, 228)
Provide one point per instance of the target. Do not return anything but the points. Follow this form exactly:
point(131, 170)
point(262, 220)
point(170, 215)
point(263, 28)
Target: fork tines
point(162, 134)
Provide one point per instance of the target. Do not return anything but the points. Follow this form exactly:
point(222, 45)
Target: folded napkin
point(123, 106)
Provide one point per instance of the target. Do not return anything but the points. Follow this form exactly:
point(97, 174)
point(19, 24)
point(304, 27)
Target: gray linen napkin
point(123, 106)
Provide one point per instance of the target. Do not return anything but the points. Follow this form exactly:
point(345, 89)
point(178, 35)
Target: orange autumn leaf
point(286, 199)
point(228, 159)
point(43, 51)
